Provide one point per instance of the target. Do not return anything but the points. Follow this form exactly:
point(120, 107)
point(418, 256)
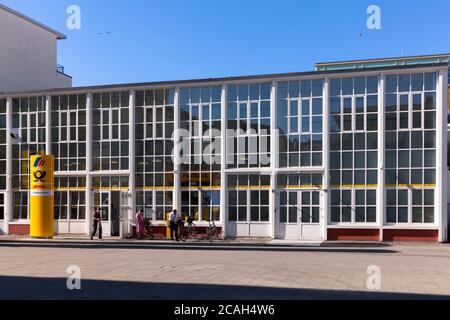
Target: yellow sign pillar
point(41, 196)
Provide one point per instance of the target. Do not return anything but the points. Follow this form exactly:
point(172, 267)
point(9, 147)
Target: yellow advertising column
point(41, 196)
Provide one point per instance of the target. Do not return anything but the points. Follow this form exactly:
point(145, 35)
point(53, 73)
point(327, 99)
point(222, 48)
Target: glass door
point(102, 201)
point(2, 206)
point(299, 215)
point(288, 218)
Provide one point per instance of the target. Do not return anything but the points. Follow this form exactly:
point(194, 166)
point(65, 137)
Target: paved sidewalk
point(119, 269)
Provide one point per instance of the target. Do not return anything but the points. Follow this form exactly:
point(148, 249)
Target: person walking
point(174, 219)
point(97, 224)
point(140, 224)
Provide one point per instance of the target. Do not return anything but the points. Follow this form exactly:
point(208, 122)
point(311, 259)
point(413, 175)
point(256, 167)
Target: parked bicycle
point(211, 231)
point(148, 229)
point(187, 231)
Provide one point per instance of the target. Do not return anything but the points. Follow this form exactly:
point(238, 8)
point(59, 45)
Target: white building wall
point(28, 56)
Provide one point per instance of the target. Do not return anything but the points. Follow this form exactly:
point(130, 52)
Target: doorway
point(299, 215)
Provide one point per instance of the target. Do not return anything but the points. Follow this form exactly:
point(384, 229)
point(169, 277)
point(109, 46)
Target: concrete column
point(223, 163)
point(326, 194)
point(176, 153)
point(381, 208)
point(89, 189)
point(274, 157)
point(442, 167)
point(132, 147)
point(48, 125)
point(9, 194)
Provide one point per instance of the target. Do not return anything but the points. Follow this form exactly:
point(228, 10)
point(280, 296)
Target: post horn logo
point(39, 175)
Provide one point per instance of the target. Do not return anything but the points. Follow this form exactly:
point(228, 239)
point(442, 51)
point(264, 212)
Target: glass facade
point(248, 198)
point(261, 179)
point(411, 122)
point(353, 149)
point(248, 116)
point(300, 123)
point(201, 128)
point(110, 131)
point(155, 123)
point(29, 121)
point(2, 144)
point(69, 132)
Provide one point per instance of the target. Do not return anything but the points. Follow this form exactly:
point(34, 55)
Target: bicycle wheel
point(193, 230)
point(182, 234)
point(211, 232)
point(150, 234)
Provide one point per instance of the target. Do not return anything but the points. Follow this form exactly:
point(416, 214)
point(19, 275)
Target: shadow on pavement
point(18, 288)
point(205, 246)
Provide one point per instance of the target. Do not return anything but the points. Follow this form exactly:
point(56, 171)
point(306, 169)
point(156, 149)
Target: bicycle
point(211, 231)
point(189, 231)
point(148, 229)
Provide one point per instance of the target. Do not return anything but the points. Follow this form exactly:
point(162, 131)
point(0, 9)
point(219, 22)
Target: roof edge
point(217, 80)
point(58, 34)
point(443, 55)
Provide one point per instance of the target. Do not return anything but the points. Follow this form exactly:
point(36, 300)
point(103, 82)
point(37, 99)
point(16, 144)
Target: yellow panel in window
point(448, 98)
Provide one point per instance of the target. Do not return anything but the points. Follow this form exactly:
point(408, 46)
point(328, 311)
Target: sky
point(125, 41)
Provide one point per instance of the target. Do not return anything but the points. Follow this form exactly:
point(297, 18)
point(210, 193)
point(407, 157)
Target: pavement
point(230, 270)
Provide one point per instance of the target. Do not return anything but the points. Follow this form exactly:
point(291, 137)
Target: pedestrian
point(97, 224)
point(175, 218)
point(140, 224)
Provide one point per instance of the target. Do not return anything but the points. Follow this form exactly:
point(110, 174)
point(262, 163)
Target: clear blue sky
point(154, 40)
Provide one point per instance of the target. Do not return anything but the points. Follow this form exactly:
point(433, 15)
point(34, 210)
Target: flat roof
point(262, 77)
point(431, 56)
point(391, 61)
point(59, 35)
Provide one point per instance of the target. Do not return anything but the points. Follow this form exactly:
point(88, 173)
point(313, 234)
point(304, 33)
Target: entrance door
point(299, 215)
point(125, 214)
point(115, 213)
point(102, 201)
point(2, 211)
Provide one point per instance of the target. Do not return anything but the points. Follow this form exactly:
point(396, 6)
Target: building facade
point(28, 54)
point(358, 153)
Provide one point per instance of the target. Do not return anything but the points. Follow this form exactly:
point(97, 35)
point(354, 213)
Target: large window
point(111, 183)
point(69, 132)
point(248, 116)
point(300, 181)
point(29, 121)
point(200, 119)
point(154, 141)
point(110, 135)
point(155, 203)
point(201, 127)
point(353, 206)
point(155, 123)
point(354, 149)
point(70, 205)
point(248, 198)
point(203, 205)
point(2, 145)
point(410, 147)
point(300, 123)
point(20, 205)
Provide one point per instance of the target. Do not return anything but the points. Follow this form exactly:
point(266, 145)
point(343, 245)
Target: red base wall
point(19, 229)
point(411, 235)
point(353, 234)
